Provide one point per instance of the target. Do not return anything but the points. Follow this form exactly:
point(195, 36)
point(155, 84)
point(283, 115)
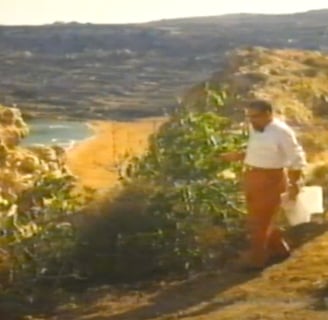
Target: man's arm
point(296, 160)
point(233, 156)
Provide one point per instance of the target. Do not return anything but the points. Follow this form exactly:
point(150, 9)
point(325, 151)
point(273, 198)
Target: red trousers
point(263, 188)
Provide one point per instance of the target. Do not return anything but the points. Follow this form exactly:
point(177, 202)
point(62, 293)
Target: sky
point(35, 12)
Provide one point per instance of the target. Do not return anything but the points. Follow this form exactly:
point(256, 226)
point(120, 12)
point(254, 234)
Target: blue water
point(60, 132)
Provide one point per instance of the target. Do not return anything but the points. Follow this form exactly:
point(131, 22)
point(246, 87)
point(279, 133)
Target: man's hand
point(232, 156)
point(293, 191)
point(295, 183)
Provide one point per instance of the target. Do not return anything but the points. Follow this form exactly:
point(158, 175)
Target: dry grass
point(294, 81)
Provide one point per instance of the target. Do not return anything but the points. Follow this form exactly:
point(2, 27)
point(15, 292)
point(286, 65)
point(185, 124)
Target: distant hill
point(126, 71)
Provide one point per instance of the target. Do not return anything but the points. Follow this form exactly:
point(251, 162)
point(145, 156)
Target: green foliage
point(37, 234)
point(37, 200)
point(178, 204)
point(188, 146)
point(173, 196)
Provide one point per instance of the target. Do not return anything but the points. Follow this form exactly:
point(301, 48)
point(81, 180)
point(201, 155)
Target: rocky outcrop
point(12, 127)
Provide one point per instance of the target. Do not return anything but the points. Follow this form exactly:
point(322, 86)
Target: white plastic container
point(308, 202)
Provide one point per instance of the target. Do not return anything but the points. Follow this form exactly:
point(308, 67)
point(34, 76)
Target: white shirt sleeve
point(294, 153)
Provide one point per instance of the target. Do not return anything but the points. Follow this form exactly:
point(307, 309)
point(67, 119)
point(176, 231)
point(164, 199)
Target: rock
point(12, 126)
point(22, 167)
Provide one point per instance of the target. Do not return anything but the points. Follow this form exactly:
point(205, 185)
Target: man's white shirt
point(275, 147)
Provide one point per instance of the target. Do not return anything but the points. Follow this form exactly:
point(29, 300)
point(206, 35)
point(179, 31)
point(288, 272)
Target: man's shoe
point(279, 258)
point(246, 264)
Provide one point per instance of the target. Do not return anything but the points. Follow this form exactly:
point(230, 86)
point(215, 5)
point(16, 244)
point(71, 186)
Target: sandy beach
point(97, 159)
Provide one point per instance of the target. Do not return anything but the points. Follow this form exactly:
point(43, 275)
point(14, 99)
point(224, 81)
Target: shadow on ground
point(301, 234)
point(192, 297)
point(196, 296)
point(201, 295)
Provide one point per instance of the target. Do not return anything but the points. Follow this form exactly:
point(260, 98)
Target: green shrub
point(37, 234)
point(172, 197)
point(177, 205)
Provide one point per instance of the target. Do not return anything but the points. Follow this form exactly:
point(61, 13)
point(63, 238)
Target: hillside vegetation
point(180, 209)
point(296, 82)
point(187, 199)
point(178, 214)
point(37, 195)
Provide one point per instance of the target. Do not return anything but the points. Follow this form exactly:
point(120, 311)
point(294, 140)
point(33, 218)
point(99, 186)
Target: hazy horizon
point(40, 12)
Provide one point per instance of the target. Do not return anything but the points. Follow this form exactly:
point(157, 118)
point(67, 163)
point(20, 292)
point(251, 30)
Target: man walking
point(273, 161)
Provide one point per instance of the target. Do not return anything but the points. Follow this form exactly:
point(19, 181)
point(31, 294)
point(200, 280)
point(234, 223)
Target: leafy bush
point(37, 234)
point(37, 198)
point(179, 203)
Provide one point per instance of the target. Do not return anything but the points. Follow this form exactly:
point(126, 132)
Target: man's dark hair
point(260, 106)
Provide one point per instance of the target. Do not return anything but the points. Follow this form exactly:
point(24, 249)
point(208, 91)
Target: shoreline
point(101, 126)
